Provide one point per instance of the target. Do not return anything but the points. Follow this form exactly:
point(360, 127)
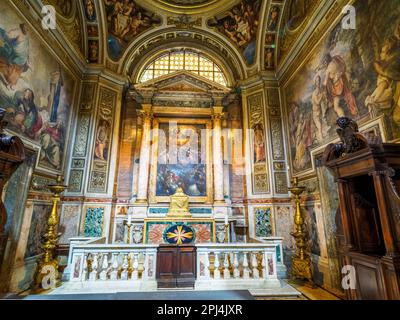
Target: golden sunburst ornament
point(179, 234)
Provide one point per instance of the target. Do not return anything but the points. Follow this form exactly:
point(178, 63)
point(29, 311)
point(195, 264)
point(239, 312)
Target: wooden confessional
point(368, 176)
point(12, 154)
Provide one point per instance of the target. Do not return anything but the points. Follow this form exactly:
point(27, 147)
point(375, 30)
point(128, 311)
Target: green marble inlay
point(263, 222)
point(94, 222)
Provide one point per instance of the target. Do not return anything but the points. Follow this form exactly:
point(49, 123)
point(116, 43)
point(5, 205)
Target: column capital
point(217, 113)
point(147, 95)
point(146, 112)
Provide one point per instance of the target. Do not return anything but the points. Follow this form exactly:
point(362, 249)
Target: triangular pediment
point(183, 81)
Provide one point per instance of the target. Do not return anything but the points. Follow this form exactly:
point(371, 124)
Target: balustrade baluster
point(236, 272)
point(227, 273)
point(217, 273)
point(207, 265)
point(246, 270)
point(125, 266)
point(144, 264)
point(93, 271)
point(114, 266)
point(135, 266)
point(254, 264)
point(85, 267)
point(104, 267)
point(264, 265)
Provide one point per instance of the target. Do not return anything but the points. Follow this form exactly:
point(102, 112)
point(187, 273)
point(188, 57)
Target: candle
point(226, 219)
point(129, 218)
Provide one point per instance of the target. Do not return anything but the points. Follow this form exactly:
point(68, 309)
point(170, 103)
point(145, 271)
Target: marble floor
point(289, 290)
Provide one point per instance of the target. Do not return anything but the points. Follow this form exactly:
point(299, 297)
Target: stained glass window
point(183, 60)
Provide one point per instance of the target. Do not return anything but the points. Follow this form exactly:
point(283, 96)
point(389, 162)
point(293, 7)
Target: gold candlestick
point(47, 276)
point(301, 261)
point(128, 237)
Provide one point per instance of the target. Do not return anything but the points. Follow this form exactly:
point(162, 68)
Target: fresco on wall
point(240, 25)
point(185, 168)
point(38, 227)
point(352, 73)
point(126, 20)
point(34, 89)
point(310, 220)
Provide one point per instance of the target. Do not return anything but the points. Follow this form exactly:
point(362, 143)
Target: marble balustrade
point(218, 265)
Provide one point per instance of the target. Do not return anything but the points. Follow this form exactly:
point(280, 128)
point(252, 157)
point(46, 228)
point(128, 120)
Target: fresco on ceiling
point(90, 10)
point(188, 2)
point(63, 7)
point(240, 25)
point(35, 90)
point(185, 168)
point(125, 21)
point(352, 73)
point(270, 37)
point(297, 12)
point(273, 18)
point(295, 18)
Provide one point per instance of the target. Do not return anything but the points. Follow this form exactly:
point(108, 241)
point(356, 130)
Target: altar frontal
point(178, 227)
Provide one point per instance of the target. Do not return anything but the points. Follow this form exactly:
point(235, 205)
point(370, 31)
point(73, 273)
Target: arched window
point(187, 60)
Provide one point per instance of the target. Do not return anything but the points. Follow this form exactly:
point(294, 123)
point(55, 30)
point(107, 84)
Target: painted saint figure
point(101, 141)
point(259, 144)
point(317, 98)
point(337, 85)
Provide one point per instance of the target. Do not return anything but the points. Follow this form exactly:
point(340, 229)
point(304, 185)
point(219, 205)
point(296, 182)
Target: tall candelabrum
point(226, 228)
point(47, 276)
point(128, 224)
point(301, 261)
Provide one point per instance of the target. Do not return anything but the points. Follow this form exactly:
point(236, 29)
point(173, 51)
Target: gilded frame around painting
point(153, 198)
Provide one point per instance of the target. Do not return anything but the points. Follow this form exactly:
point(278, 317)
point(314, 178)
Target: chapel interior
point(204, 145)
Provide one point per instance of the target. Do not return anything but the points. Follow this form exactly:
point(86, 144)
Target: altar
point(179, 227)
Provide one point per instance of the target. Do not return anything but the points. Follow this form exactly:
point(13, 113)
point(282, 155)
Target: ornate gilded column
point(217, 155)
point(144, 164)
